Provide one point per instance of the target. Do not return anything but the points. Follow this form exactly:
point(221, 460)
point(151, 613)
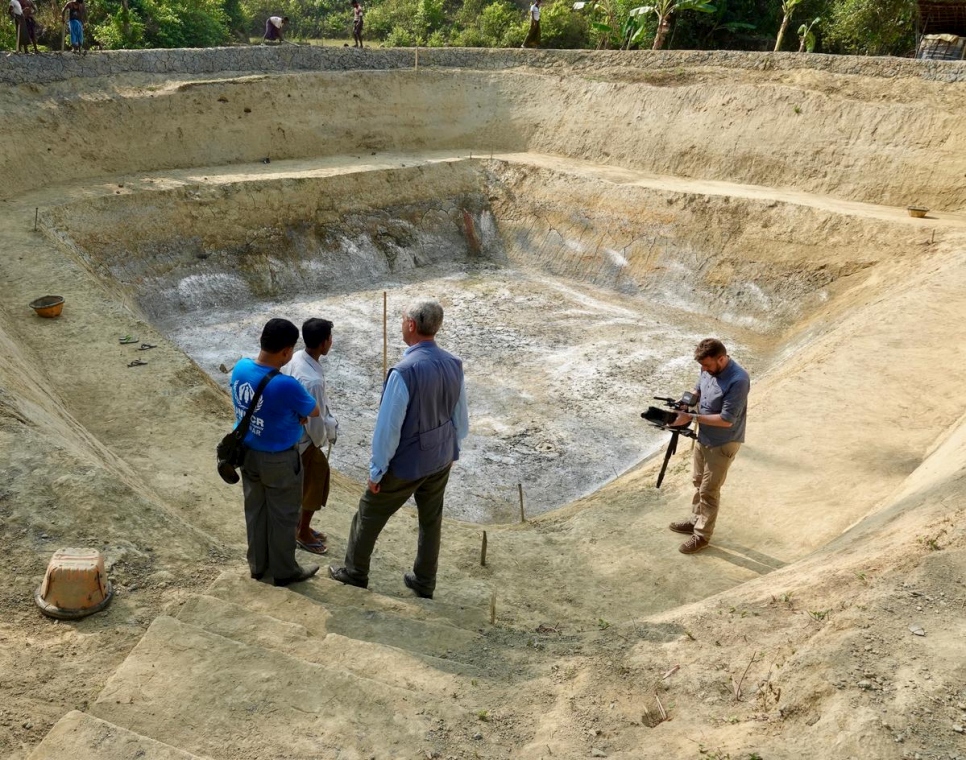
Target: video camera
point(663, 419)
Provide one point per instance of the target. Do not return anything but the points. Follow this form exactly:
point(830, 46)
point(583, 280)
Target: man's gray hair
point(427, 314)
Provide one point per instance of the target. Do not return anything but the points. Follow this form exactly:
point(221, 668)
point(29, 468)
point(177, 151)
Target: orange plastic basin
point(75, 585)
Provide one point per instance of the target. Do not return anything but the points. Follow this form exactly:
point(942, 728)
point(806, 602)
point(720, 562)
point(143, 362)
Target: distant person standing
point(75, 12)
point(274, 26)
point(29, 31)
point(722, 393)
point(422, 419)
point(15, 11)
point(533, 36)
point(272, 469)
point(357, 20)
point(305, 367)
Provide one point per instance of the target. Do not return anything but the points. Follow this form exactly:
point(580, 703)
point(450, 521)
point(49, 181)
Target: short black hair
point(277, 335)
point(315, 332)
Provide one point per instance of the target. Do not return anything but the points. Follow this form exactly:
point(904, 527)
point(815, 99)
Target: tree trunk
point(781, 32)
point(126, 23)
point(663, 24)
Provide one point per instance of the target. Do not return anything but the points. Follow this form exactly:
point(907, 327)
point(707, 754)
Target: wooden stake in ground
point(417, 59)
point(483, 551)
point(523, 516)
point(493, 608)
point(36, 214)
point(385, 337)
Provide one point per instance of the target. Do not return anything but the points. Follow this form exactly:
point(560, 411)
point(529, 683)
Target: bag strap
point(242, 430)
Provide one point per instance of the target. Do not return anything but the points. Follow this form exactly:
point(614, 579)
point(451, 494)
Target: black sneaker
point(303, 575)
point(687, 527)
point(341, 575)
point(410, 580)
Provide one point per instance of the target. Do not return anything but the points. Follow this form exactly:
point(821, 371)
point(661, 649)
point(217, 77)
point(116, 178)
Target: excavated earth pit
point(569, 319)
point(585, 218)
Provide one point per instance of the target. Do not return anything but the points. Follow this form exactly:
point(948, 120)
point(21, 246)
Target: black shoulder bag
point(231, 449)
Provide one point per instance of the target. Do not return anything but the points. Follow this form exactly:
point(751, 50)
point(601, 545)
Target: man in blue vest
point(272, 470)
point(422, 418)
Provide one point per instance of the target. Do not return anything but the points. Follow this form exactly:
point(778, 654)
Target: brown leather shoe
point(693, 545)
point(686, 527)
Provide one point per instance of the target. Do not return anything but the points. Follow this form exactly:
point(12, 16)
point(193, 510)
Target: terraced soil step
point(211, 695)
point(386, 664)
point(353, 613)
point(79, 736)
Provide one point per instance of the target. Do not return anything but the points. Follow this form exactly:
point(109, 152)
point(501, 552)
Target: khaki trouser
point(709, 468)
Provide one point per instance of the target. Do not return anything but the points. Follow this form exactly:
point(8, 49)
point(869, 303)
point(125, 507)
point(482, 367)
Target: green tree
point(664, 10)
point(806, 37)
point(871, 27)
point(788, 7)
point(496, 20)
point(561, 27)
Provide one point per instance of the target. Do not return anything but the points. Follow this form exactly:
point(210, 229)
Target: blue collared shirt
point(392, 412)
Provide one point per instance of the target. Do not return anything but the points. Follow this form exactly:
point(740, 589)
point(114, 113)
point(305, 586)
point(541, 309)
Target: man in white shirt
point(305, 367)
point(15, 10)
point(533, 35)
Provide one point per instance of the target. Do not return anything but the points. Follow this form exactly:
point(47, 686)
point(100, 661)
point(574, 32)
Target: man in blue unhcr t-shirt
point(722, 392)
point(272, 469)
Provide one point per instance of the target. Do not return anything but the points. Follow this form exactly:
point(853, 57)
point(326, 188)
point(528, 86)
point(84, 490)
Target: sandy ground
point(840, 532)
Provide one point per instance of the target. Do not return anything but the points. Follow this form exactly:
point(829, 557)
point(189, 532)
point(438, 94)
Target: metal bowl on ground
point(48, 306)
point(917, 211)
point(75, 585)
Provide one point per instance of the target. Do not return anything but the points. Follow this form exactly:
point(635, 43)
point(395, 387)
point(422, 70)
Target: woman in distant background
point(76, 13)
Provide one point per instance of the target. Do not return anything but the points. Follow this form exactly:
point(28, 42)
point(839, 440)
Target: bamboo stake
point(417, 59)
point(36, 214)
point(483, 551)
point(493, 608)
point(385, 337)
point(523, 516)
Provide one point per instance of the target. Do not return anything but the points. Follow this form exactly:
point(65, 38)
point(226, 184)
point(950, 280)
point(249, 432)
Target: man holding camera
point(722, 404)
point(272, 469)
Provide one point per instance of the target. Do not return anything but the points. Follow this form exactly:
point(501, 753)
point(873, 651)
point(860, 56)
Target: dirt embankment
point(852, 421)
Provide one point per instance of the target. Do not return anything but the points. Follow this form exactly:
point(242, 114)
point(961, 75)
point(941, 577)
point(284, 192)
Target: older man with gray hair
point(422, 419)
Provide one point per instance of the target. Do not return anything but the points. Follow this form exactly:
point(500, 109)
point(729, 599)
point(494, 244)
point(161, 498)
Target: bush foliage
point(866, 27)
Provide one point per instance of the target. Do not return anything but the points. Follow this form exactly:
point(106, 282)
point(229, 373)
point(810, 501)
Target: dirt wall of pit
point(879, 130)
point(210, 246)
point(757, 264)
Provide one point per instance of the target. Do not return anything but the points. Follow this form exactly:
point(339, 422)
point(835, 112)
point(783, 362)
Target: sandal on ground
point(124, 340)
point(137, 363)
point(316, 548)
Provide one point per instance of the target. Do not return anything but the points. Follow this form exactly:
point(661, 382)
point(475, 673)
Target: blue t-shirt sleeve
point(302, 401)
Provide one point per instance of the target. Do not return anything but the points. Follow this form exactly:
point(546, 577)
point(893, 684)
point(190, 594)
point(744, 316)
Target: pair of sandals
point(319, 546)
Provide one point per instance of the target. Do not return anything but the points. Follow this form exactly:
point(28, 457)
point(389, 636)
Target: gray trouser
point(374, 512)
point(272, 483)
point(709, 468)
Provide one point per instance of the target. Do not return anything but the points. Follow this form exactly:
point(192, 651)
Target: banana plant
point(608, 26)
point(788, 7)
point(664, 10)
point(806, 37)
